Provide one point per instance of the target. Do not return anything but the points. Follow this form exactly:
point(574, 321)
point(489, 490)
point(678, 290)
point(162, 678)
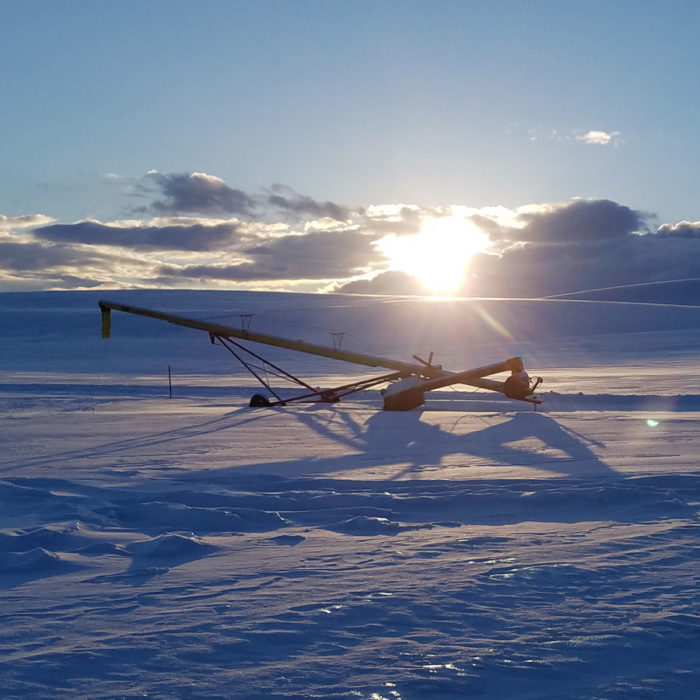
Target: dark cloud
point(35, 257)
point(537, 271)
point(533, 271)
point(312, 256)
point(195, 193)
point(208, 195)
point(581, 220)
point(243, 272)
point(654, 258)
point(318, 255)
point(30, 266)
point(287, 200)
point(599, 243)
point(494, 230)
point(541, 270)
point(191, 237)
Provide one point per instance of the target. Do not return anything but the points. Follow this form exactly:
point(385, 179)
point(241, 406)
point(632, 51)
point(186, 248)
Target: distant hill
point(60, 331)
point(685, 292)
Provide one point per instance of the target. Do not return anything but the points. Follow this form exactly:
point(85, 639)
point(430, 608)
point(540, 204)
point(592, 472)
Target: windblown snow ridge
point(177, 526)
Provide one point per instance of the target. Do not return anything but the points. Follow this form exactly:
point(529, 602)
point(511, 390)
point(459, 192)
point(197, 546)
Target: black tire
point(258, 401)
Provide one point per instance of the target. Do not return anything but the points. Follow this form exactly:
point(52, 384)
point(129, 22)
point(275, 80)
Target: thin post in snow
point(170, 383)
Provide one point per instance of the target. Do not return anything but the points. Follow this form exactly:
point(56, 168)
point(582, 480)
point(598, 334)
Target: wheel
point(258, 401)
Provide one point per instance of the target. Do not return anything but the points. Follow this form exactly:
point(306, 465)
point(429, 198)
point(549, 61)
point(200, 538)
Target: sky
point(451, 147)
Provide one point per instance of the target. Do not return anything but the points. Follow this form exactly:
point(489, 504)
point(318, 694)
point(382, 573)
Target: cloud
point(599, 138)
point(203, 194)
point(535, 270)
point(319, 254)
point(540, 132)
point(391, 282)
point(312, 256)
point(30, 257)
point(240, 272)
point(397, 219)
point(548, 249)
point(31, 265)
point(180, 248)
point(683, 229)
point(22, 222)
point(187, 237)
point(195, 193)
point(580, 245)
point(286, 199)
point(583, 245)
point(536, 250)
point(580, 220)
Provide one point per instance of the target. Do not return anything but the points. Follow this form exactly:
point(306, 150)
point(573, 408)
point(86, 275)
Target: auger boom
point(408, 381)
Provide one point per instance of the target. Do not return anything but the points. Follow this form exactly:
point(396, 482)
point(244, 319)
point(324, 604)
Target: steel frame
point(331, 395)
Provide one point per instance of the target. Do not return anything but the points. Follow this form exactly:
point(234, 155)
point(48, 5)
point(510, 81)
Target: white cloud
point(599, 138)
point(595, 137)
point(27, 221)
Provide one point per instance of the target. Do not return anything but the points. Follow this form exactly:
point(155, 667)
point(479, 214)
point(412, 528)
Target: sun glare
point(438, 255)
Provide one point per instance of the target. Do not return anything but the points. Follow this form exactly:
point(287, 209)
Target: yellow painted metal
point(298, 345)
point(106, 322)
point(439, 377)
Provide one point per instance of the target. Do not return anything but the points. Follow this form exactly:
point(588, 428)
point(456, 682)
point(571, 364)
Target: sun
point(438, 255)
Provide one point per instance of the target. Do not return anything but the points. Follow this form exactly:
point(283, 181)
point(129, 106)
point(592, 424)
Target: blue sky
point(434, 105)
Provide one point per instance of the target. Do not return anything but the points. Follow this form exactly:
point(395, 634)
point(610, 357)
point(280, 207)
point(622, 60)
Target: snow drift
point(196, 548)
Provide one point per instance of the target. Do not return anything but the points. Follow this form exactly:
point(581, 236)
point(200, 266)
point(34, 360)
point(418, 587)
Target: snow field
point(191, 557)
point(197, 548)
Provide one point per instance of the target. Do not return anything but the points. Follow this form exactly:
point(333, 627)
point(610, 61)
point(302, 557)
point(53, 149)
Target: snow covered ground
point(196, 548)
